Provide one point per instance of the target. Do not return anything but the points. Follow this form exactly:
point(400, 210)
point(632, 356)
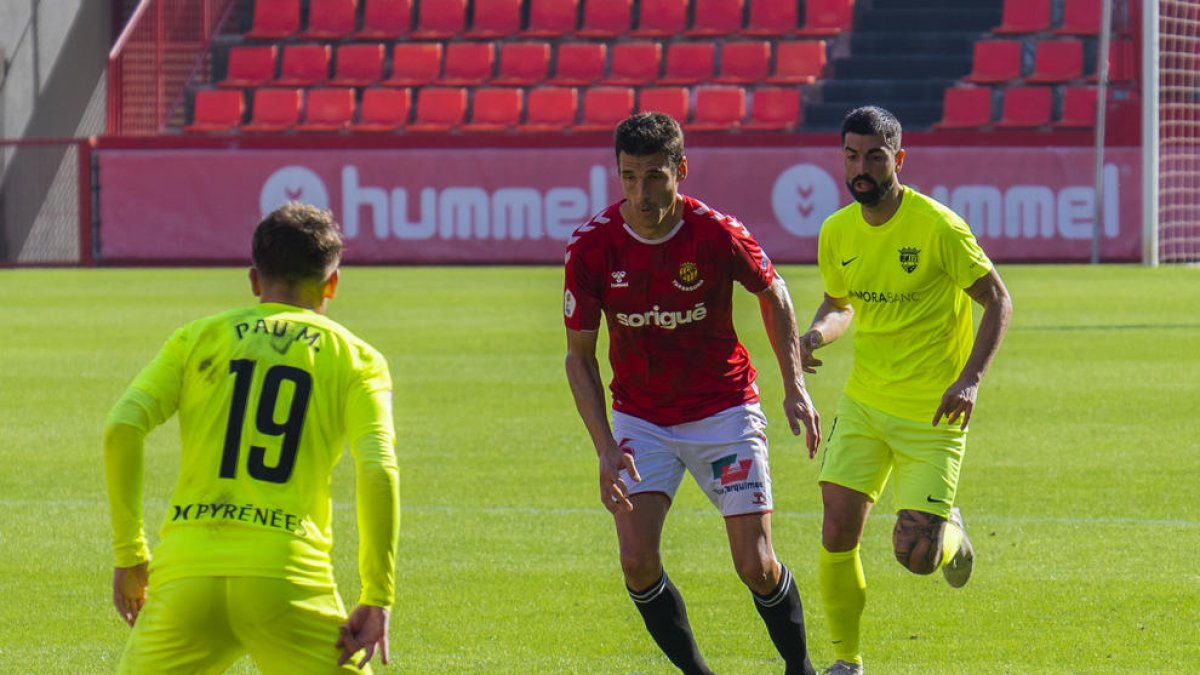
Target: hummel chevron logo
point(847, 262)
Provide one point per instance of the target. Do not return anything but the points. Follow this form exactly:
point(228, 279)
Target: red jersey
point(668, 304)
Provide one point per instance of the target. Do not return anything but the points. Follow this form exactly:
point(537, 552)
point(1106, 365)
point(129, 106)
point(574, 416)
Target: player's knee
point(640, 570)
point(917, 541)
point(759, 573)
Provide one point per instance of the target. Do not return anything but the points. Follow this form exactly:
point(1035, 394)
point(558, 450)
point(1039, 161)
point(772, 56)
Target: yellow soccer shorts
point(866, 446)
point(204, 624)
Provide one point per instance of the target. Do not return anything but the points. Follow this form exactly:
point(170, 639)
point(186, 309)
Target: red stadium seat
point(330, 109)
point(774, 109)
point(275, 19)
point(670, 100)
point(827, 17)
point(439, 20)
point(383, 109)
point(995, 61)
point(468, 63)
point(1026, 107)
point(689, 63)
point(358, 65)
point(523, 63)
point(1057, 61)
point(605, 107)
point(1024, 16)
point(716, 17)
point(250, 66)
point(439, 109)
point(494, 109)
point(798, 62)
point(385, 19)
point(274, 110)
point(550, 109)
point(718, 108)
point(1080, 17)
point(217, 110)
point(772, 18)
point(966, 108)
point(304, 65)
point(495, 19)
point(330, 19)
point(552, 18)
point(1121, 62)
point(661, 18)
point(1079, 108)
point(745, 62)
point(606, 18)
point(634, 63)
point(579, 63)
point(415, 64)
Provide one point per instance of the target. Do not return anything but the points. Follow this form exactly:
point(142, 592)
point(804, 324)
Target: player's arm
point(779, 318)
point(377, 489)
point(583, 375)
point(959, 399)
point(830, 321)
point(149, 401)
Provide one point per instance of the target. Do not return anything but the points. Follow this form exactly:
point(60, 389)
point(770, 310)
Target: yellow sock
point(844, 594)
point(951, 540)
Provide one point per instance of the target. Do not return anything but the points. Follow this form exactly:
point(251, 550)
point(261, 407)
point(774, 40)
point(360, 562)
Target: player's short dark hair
point(648, 133)
point(871, 120)
point(297, 242)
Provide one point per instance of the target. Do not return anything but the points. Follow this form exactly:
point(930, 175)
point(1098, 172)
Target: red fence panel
point(163, 46)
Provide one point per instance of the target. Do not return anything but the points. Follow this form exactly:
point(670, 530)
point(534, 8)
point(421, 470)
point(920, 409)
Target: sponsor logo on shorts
point(568, 304)
point(759, 499)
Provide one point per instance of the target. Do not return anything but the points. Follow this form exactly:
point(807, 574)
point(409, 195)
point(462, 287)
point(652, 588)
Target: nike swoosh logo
point(847, 262)
point(930, 499)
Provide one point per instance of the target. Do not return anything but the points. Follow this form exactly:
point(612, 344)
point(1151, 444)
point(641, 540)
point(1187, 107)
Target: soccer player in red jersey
point(660, 266)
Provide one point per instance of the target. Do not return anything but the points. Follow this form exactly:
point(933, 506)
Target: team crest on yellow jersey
point(909, 259)
point(688, 277)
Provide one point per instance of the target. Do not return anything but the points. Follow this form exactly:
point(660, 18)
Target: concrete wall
point(53, 86)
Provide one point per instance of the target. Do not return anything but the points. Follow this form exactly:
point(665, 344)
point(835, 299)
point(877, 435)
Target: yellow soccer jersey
point(267, 397)
point(905, 281)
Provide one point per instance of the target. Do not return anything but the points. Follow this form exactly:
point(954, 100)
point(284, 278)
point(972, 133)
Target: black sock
point(784, 615)
point(666, 618)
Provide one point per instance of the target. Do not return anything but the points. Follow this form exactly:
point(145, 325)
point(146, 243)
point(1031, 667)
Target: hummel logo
point(847, 262)
point(931, 500)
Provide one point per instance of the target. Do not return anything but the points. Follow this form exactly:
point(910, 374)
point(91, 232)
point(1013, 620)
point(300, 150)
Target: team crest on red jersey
point(909, 259)
point(688, 277)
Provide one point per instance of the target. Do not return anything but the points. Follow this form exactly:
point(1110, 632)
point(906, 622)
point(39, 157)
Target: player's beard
point(872, 196)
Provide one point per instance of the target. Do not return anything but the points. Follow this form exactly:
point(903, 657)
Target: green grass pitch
point(1079, 489)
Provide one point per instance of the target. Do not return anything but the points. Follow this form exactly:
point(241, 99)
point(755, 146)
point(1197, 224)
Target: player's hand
point(802, 417)
point(614, 493)
point(809, 342)
point(129, 590)
point(957, 402)
point(367, 629)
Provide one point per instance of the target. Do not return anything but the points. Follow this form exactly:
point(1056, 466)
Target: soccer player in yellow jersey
point(905, 268)
point(267, 396)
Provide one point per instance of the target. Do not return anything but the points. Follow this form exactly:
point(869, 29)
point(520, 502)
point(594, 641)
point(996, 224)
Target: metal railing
point(46, 202)
point(162, 47)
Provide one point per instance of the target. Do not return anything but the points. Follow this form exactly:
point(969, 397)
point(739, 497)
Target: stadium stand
point(1078, 108)
point(718, 108)
point(831, 55)
point(218, 110)
point(604, 107)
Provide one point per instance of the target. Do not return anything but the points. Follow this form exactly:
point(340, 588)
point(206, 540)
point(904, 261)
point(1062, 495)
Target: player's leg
point(929, 534)
point(854, 468)
point(182, 629)
point(639, 537)
point(770, 582)
point(289, 627)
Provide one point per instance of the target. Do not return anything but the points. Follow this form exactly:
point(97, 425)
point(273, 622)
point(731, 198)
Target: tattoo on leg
point(917, 540)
